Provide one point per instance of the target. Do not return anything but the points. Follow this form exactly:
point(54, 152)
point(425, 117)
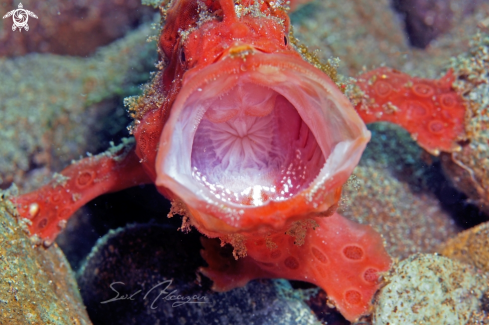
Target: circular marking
point(354, 253)
point(319, 255)
point(291, 263)
point(416, 109)
point(371, 275)
point(42, 224)
point(353, 297)
point(84, 178)
point(382, 88)
point(448, 100)
point(275, 254)
point(423, 90)
point(436, 126)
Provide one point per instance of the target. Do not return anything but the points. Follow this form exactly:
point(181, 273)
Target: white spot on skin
point(33, 209)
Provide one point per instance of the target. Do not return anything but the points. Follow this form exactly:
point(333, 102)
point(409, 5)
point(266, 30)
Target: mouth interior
point(252, 146)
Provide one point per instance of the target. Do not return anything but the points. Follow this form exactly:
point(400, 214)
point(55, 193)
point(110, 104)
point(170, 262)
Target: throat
point(244, 142)
point(249, 155)
point(234, 157)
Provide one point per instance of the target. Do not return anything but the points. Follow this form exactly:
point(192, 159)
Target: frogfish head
point(256, 137)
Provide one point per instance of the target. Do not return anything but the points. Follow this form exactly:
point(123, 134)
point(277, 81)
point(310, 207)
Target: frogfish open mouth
point(258, 136)
point(251, 142)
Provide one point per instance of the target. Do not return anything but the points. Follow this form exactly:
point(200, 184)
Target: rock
point(431, 289)
point(409, 222)
point(469, 168)
point(369, 33)
point(37, 284)
point(135, 259)
point(470, 247)
point(54, 109)
point(359, 32)
point(427, 19)
point(70, 27)
point(390, 191)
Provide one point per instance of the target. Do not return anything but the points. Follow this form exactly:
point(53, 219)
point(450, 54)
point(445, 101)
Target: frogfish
point(251, 143)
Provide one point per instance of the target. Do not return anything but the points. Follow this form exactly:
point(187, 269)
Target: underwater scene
point(244, 162)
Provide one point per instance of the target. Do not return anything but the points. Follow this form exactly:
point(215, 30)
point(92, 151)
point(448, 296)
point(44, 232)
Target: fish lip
point(322, 193)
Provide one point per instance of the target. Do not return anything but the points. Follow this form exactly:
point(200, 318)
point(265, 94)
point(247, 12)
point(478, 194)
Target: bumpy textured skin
point(49, 207)
point(431, 110)
point(340, 256)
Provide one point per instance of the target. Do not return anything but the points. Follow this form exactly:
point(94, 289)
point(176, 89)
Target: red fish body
point(431, 110)
point(251, 143)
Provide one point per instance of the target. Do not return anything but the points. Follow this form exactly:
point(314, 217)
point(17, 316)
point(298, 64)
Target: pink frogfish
point(251, 143)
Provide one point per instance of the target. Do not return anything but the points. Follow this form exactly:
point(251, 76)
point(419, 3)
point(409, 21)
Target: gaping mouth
point(268, 136)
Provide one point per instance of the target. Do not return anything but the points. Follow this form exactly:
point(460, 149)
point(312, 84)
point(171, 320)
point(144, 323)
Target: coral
point(340, 256)
point(54, 109)
point(142, 256)
point(431, 110)
point(470, 247)
point(70, 27)
point(431, 289)
point(37, 285)
point(469, 168)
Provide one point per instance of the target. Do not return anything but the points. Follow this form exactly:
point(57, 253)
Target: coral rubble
point(469, 169)
point(470, 246)
point(404, 218)
point(37, 284)
point(431, 289)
